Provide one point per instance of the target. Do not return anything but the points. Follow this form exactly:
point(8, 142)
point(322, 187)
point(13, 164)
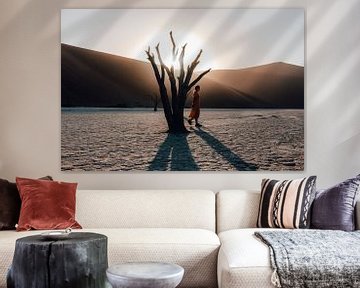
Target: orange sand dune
point(277, 85)
point(95, 79)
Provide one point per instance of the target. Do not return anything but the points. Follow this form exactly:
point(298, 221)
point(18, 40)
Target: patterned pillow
point(286, 204)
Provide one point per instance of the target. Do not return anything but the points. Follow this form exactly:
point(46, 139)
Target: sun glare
point(194, 45)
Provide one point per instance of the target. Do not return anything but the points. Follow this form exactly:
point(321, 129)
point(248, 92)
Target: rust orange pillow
point(46, 204)
point(10, 204)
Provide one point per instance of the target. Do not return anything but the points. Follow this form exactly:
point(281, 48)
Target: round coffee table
point(145, 275)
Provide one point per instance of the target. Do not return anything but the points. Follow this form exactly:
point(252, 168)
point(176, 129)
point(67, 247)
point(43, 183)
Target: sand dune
point(96, 79)
point(278, 85)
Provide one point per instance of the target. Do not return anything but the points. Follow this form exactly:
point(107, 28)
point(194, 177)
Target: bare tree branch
point(198, 56)
point(151, 58)
point(181, 61)
point(193, 83)
point(162, 64)
point(174, 50)
point(161, 83)
point(172, 79)
point(192, 67)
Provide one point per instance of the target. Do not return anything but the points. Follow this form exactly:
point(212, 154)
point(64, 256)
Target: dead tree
point(155, 99)
point(180, 84)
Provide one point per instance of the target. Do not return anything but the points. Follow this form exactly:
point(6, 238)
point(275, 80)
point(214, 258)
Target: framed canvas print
point(182, 89)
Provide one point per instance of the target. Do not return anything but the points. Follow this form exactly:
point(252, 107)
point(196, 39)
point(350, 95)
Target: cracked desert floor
point(94, 139)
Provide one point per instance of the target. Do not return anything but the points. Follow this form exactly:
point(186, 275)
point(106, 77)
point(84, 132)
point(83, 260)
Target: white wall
point(30, 95)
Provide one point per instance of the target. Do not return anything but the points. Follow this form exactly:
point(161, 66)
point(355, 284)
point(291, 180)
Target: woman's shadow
point(174, 154)
point(224, 151)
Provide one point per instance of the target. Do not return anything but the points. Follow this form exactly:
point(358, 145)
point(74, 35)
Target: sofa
point(210, 235)
point(175, 226)
point(243, 260)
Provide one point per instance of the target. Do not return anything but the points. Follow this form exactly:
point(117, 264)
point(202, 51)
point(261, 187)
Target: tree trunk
point(167, 107)
point(79, 261)
point(178, 123)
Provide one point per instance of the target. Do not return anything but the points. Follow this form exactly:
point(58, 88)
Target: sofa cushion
point(286, 204)
point(153, 209)
point(244, 260)
point(194, 249)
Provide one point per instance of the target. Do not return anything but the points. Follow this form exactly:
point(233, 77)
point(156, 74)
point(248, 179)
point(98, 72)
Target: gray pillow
point(334, 208)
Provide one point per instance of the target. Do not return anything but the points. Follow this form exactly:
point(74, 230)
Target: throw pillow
point(10, 203)
point(286, 204)
point(46, 204)
point(334, 208)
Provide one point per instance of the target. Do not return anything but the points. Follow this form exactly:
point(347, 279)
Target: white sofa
point(175, 226)
point(243, 261)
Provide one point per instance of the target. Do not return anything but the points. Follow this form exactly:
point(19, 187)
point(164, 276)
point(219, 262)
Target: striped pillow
point(286, 204)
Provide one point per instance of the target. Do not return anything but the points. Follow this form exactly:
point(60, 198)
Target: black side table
point(79, 261)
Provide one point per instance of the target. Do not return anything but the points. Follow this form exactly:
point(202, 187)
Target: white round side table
point(145, 275)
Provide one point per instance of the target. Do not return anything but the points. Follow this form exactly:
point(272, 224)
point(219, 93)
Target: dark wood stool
point(78, 261)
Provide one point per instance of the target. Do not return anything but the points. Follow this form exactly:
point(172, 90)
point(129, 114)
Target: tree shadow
point(174, 154)
point(225, 152)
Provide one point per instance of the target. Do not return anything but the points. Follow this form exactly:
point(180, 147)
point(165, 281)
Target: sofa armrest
point(357, 215)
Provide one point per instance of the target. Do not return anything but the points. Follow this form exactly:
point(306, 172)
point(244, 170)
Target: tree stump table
point(78, 261)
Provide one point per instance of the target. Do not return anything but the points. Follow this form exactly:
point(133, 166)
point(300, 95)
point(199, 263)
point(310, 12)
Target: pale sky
point(230, 38)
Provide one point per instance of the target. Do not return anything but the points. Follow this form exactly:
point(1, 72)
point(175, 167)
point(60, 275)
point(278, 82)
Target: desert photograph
point(182, 90)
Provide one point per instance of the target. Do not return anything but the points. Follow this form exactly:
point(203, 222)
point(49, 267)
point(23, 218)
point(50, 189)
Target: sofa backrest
point(146, 209)
point(239, 209)
point(236, 209)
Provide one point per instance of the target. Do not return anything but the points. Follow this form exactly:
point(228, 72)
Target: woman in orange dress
point(195, 107)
